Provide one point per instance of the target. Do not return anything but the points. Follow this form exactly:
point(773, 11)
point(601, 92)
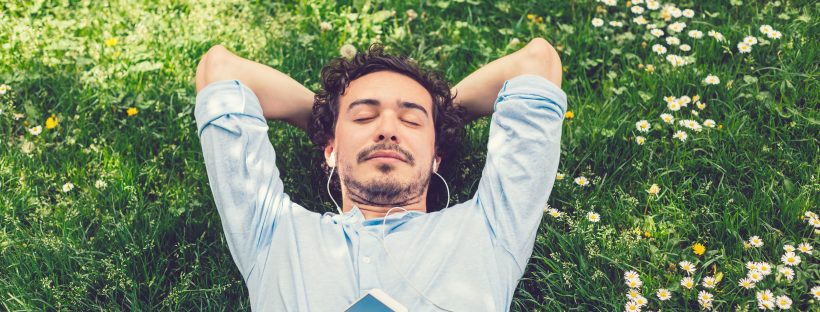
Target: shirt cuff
point(536, 86)
point(225, 97)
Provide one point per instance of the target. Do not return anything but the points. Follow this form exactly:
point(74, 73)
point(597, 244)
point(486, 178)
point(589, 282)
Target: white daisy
point(764, 268)
point(582, 181)
point(750, 40)
point(805, 248)
point(742, 47)
point(787, 272)
point(711, 80)
point(36, 130)
point(676, 27)
point(755, 241)
point(754, 276)
point(687, 282)
point(673, 106)
point(658, 48)
point(597, 22)
point(695, 34)
point(709, 123)
point(640, 140)
point(680, 135)
point(68, 187)
point(594, 218)
point(790, 259)
point(675, 60)
point(663, 294)
point(717, 35)
point(764, 295)
point(667, 118)
point(746, 283)
point(643, 126)
point(687, 267)
point(709, 282)
point(784, 302)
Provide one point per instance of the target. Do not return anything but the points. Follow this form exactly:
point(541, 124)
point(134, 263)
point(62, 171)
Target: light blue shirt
point(468, 257)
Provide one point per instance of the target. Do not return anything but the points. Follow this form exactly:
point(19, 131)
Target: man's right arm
point(281, 97)
point(238, 154)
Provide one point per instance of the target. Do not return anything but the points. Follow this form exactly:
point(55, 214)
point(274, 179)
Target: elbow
point(539, 57)
point(212, 66)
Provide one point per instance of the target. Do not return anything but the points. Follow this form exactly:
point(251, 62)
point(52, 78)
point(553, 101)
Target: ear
point(330, 154)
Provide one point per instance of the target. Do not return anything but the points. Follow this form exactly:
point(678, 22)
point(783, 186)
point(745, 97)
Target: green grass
point(151, 239)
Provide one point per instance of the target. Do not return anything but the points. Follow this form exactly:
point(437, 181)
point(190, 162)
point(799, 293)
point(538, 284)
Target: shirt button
point(366, 259)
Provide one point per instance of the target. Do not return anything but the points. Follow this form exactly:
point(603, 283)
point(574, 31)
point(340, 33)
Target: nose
point(387, 129)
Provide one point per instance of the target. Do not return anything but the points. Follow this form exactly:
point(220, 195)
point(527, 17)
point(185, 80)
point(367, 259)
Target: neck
point(376, 210)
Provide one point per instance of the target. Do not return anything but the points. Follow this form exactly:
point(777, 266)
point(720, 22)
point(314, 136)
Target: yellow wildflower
point(698, 249)
point(51, 122)
point(569, 115)
point(132, 111)
point(531, 16)
point(647, 234)
point(111, 42)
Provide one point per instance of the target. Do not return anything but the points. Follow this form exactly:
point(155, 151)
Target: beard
point(386, 190)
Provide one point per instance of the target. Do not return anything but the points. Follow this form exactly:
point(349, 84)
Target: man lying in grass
point(385, 127)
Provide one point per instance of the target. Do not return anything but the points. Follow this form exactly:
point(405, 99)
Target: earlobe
point(330, 159)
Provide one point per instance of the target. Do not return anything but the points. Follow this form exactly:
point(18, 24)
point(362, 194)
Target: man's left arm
point(524, 144)
point(477, 92)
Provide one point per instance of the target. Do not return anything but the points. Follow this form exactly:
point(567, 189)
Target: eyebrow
point(373, 102)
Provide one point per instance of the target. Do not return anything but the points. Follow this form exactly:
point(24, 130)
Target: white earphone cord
point(390, 258)
point(384, 245)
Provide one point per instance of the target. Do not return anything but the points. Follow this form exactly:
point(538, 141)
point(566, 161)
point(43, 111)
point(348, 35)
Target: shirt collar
point(355, 217)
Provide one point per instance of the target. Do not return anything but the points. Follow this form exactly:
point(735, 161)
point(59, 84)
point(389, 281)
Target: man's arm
point(523, 148)
point(281, 97)
point(477, 92)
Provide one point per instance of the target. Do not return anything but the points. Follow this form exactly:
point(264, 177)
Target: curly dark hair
point(336, 76)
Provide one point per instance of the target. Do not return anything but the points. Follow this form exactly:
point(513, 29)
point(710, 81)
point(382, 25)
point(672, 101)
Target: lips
point(388, 154)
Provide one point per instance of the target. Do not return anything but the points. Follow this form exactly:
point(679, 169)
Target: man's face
point(384, 139)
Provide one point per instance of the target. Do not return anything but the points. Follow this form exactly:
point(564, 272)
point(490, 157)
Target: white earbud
point(332, 159)
point(435, 165)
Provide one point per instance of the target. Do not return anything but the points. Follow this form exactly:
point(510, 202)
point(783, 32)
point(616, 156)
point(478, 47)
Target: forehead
point(389, 88)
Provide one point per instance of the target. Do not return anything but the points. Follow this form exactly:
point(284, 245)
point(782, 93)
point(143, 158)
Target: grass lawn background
point(106, 206)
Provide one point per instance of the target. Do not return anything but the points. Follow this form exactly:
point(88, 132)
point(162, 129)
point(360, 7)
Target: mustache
point(362, 156)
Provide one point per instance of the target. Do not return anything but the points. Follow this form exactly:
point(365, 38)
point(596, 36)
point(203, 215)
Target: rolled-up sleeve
point(522, 161)
point(241, 165)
